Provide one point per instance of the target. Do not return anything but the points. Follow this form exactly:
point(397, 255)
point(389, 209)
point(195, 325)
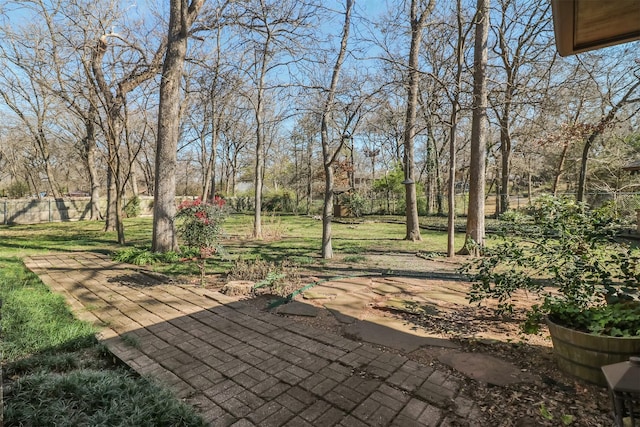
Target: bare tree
point(67, 77)
point(303, 139)
point(20, 162)
point(386, 126)
point(75, 85)
point(68, 74)
point(235, 143)
point(328, 157)
point(181, 17)
point(629, 96)
point(25, 93)
point(209, 86)
point(475, 217)
point(113, 94)
point(453, 121)
point(523, 42)
point(596, 92)
point(273, 33)
point(89, 155)
point(418, 13)
point(218, 88)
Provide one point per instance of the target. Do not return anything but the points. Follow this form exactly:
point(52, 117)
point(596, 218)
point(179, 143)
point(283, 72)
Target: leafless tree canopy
point(309, 106)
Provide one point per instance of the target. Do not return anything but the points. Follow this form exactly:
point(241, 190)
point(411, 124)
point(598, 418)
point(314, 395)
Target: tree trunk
point(352, 166)
point(133, 173)
point(327, 214)
point(309, 177)
point(89, 148)
point(110, 221)
point(43, 146)
point(411, 207)
point(329, 158)
point(438, 178)
point(129, 176)
point(96, 215)
point(582, 180)
point(53, 185)
point(181, 17)
point(115, 192)
point(209, 178)
point(529, 184)
point(451, 191)
point(505, 152)
point(475, 218)
point(119, 217)
point(556, 179)
point(259, 166)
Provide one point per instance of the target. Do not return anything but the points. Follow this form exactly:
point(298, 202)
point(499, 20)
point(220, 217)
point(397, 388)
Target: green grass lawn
point(299, 238)
point(293, 238)
point(56, 372)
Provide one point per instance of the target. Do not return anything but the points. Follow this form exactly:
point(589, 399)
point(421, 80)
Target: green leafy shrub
point(616, 320)
point(354, 202)
point(279, 201)
point(18, 189)
point(421, 202)
point(144, 256)
point(132, 209)
point(391, 189)
point(200, 226)
point(566, 254)
point(241, 203)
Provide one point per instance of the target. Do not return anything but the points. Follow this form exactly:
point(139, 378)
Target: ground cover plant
point(107, 397)
point(54, 371)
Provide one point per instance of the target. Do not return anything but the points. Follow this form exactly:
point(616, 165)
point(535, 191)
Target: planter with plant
point(587, 283)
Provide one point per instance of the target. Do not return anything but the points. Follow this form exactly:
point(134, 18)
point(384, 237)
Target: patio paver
point(242, 367)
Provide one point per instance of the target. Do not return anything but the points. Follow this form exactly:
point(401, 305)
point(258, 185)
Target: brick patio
point(243, 367)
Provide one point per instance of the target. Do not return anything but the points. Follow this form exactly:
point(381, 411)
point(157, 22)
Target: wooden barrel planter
point(582, 355)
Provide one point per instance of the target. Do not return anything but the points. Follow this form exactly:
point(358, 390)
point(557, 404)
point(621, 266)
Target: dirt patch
point(555, 398)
